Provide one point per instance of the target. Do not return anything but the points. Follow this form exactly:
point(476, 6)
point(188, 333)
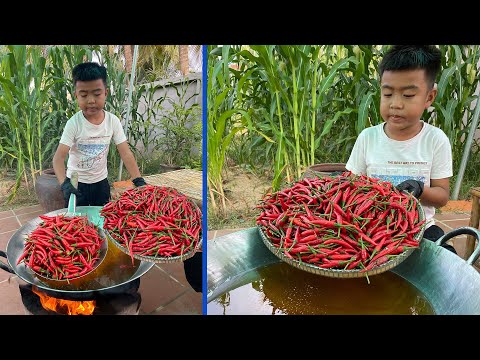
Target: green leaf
point(444, 78)
point(330, 122)
point(363, 112)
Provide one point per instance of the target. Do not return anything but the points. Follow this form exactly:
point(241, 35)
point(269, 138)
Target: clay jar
point(326, 169)
point(166, 168)
point(49, 193)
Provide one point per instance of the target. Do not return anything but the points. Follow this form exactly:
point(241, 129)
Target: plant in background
point(180, 125)
point(350, 104)
point(308, 103)
point(61, 100)
point(23, 111)
point(117, 98)
point(143, 127)
point(166, 129)
point(224, 119)
point(456, 99)
point(291, 93)
point(37, 99)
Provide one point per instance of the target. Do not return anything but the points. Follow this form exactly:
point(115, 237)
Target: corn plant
point(22, 107)
point(288, 89)
point(454, 104)
point(116, 101)
point(313, 101)
point(37, 100)
point(61, 100)
point(224, 120)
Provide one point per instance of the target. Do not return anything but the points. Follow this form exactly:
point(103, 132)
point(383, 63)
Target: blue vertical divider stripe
point(204, 179)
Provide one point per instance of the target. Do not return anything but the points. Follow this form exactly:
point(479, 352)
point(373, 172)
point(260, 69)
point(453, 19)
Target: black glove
point(412, 186)
point(139, 181)
point(68, 189)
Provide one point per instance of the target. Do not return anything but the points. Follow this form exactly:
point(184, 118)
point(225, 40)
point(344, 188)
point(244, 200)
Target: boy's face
point(405, 94)
point(91, 96)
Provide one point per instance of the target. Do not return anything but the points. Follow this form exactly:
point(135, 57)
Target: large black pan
point(111, 276)
point(451, 284)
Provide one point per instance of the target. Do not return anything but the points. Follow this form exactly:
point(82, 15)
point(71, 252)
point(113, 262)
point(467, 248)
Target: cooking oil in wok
point(284, 290)
point(116, 268)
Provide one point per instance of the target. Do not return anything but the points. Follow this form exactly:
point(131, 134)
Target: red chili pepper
point(355, 215)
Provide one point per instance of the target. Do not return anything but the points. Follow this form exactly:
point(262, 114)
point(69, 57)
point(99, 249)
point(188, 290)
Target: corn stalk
point(287, 91)
point(220, 92)
point(22, 107)
point(313, 101)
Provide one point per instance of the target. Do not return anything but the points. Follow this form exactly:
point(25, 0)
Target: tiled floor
point(453, 220)
point(164, 288)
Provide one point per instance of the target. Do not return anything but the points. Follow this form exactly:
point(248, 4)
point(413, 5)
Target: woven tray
point(158, 260)
point(186, 181)
point(339, 273)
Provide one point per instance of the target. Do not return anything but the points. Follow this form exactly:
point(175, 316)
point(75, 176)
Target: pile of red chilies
point(153, 221)
point(346, 222)
point(62, 247)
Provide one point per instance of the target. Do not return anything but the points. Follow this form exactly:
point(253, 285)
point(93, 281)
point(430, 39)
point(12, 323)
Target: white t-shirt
point(428, 155)
point(89, 145)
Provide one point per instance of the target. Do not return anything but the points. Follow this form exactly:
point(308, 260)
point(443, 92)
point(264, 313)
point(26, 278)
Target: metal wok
point(449, 283)
point(110, 277)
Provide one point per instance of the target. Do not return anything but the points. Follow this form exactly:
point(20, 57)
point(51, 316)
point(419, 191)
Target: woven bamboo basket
point(186, 181)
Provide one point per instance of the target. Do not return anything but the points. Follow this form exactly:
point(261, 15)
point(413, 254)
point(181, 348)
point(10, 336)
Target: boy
point(411, 154)
point(86, 138)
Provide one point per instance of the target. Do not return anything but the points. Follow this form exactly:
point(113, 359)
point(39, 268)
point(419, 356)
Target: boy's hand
point(412, 186)
point(68, 189)
point(139, 181)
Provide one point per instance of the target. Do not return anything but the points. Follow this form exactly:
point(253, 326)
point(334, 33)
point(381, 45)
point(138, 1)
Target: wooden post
point(474, 220)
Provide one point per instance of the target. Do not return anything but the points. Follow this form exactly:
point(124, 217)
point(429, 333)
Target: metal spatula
point(72, 202)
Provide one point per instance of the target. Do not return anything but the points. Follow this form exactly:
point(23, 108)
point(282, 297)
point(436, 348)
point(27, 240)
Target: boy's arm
point(128, 159)
point(59, 162)
point(59, 168)
point(437, 194)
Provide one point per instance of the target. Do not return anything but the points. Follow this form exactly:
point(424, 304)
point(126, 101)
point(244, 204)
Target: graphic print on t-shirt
point(91, 152)
point(399, 171)
point(397, 179)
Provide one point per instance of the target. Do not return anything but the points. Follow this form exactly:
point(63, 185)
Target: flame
point(62, 306)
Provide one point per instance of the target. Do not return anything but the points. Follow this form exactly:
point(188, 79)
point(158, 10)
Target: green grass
point(25, 197)
point(233, 220)
point(464, 193)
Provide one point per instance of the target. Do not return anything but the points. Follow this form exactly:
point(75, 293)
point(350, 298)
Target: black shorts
point(433, 233)
point(96, 194)
point(193, 271)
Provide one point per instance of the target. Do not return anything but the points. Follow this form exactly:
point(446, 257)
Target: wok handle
point(468, 230)
point(3, 265)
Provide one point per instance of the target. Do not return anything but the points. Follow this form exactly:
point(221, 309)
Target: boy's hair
point(413, 57)
point(89, 71)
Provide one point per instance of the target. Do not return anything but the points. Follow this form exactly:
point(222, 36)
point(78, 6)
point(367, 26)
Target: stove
point(125, 300)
